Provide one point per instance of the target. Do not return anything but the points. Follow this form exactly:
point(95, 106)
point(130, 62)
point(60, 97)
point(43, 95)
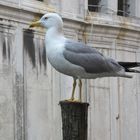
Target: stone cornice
point(27, 11)
point(29, 5)
point(110, 20)
point(106, 26)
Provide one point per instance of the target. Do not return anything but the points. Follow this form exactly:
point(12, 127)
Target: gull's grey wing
point(89, 58)
point(79, 47)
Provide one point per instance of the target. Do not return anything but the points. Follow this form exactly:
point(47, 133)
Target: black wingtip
point(129, 64)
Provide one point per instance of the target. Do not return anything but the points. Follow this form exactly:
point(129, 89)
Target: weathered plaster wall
point(6, 85)
point(114, 102)
point(30, 89)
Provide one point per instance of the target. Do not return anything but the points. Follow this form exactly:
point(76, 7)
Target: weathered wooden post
point(74, 120)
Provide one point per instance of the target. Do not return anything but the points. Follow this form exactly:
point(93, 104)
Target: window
point(39, 0)
point(93, 5)
point(123, 7)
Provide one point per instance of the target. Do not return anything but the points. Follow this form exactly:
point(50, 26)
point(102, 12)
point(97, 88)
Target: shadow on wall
point(31, 48)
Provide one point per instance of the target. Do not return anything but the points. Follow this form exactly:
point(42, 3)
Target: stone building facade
point(30, 89)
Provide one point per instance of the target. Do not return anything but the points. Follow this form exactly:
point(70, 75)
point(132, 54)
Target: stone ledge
point(105, 26)
point(112, 20)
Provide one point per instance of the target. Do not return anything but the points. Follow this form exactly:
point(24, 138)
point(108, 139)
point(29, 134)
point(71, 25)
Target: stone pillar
point(112, 6)
point(137, 8)
point(133, 7)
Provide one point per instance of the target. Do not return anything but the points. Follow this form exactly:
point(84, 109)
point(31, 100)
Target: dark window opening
point(93, 5)
point(39, 0)
point(123, 8)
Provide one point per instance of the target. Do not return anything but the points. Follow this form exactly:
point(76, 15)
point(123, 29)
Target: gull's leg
point(80, 90)
point(73, 89)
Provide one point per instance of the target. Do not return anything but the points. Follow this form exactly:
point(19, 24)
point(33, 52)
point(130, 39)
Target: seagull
point(77, 59)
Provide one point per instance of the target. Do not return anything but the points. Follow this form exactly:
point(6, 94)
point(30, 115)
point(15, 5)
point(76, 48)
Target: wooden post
point(74, 120)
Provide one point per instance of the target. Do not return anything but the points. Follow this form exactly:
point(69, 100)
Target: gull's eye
point(46, 17)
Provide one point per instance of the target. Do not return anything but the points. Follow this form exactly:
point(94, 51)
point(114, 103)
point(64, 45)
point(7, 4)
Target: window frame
point(95, 6)
point(123, 8)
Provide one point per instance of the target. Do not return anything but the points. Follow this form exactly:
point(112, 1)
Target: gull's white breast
point(54, 49)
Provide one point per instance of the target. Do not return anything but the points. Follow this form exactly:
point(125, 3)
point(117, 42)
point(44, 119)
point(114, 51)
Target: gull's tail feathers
point(128, 65)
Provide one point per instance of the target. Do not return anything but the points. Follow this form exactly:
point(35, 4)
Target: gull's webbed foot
point(73, 100)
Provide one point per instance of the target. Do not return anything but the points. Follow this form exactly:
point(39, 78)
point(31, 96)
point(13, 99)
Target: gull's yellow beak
point(35, 24)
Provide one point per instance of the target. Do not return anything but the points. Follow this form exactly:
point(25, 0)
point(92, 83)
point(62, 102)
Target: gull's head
point(49, 20)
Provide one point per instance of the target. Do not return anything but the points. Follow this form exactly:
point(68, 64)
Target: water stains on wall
point(19, 102)
point(39, 55)
point(31, 45)
point(9, 46)
point(44, 56)
point(4, 49)
point(6, 46)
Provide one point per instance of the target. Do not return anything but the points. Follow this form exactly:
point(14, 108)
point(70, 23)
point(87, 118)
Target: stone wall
point(30, 89)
